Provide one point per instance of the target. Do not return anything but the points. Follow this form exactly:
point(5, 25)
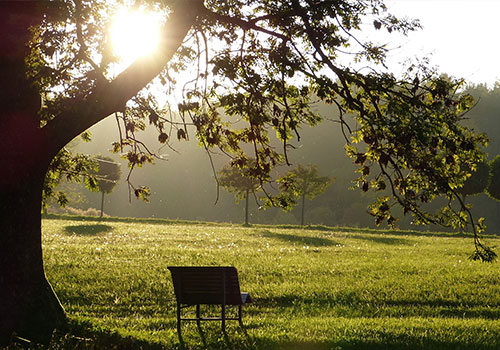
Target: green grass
point(320, 288)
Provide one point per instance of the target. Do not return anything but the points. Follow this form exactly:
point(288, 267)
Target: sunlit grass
point(313, 289)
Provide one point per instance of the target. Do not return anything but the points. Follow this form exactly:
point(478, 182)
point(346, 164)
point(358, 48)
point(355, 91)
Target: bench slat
point(204, 285)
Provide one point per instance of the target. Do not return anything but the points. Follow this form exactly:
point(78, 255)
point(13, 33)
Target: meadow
point(316, 288)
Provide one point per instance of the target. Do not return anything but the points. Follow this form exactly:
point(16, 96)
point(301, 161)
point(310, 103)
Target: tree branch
point(245, 25)
point(109, 97)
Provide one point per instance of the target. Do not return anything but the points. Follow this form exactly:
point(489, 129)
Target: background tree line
point(186, 188)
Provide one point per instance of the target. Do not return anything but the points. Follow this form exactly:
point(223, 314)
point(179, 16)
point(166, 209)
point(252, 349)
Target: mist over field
point(183, 185)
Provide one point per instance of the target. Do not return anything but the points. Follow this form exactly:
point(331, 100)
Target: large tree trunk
point(28, 308)
point(28, 305)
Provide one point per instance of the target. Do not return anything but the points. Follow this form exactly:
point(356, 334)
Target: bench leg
point(240, 320)
point(224, 318)
point(179, 319)
point(198, 315)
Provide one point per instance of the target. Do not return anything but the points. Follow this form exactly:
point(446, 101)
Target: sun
point(135, 34)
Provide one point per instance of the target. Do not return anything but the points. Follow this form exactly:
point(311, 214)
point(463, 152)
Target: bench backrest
point(206, 285)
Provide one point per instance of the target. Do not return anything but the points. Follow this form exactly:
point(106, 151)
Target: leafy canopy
point(238, 181)
point(108, 174)
point(493, 189)
point(250, 72)
point(478, 180)
point(304, 181)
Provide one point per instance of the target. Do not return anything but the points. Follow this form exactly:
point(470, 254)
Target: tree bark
point(28, 306)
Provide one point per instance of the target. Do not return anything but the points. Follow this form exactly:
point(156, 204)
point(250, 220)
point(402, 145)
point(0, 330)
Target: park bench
point(207, 285)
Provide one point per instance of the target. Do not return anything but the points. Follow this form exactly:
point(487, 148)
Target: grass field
point(323, 288)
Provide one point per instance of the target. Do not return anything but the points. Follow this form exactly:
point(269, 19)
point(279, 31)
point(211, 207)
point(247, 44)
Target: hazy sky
point(461, 35)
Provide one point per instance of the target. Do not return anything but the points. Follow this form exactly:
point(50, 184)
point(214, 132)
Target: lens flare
point(135, 34)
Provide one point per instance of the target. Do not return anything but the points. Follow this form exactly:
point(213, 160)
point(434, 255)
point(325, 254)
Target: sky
point(460, 35)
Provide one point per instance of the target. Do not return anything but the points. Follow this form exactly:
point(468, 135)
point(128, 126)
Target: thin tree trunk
point(102, 203)
point(246, 207)
point(303, 210)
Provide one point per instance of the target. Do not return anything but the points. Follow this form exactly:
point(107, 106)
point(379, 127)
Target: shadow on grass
point(84, 336)
point(376, 231)
point(158, 221)
point(403, 344)
point(306, 240)
point(349, 304)
point(87, 230)
point(382, 239)
point(397, 232)
point(152, 221)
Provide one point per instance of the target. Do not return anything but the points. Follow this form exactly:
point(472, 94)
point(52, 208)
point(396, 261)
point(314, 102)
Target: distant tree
point(234, 180)
point(493, 189)
point(477, 182)
point(107, 176)
point(305, 182)
point(484, 116)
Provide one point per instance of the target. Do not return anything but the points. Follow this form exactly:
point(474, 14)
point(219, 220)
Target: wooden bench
point(207, 285)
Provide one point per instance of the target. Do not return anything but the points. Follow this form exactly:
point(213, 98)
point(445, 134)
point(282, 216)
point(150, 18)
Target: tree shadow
point(87, 230)
point(352, 305)
point(382, 239)
point(407, 343)
point(398, 232)
point(225, 339)
point(306, 240)
point(151, 221)
point(85, 336)
point(378, 231)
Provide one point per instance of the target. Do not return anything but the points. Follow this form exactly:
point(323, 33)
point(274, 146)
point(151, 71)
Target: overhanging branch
point(244, 24)
point(82, 112)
